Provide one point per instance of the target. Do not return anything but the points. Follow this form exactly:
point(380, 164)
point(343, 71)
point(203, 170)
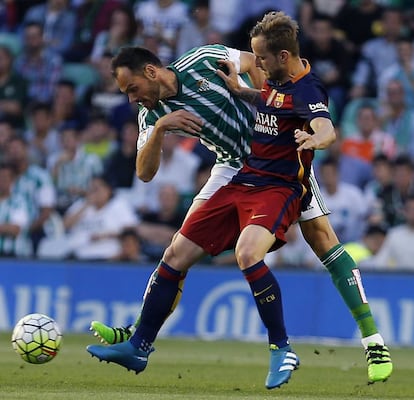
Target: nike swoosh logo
point(258, 216)
point(255, 294)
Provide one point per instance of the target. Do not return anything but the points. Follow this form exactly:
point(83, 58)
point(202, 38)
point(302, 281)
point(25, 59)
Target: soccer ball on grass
point(36, 338)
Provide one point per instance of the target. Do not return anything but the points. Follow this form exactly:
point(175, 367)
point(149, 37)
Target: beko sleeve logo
point(318, 107)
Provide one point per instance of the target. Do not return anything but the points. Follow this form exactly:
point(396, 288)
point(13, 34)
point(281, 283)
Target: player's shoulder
point(198, 56)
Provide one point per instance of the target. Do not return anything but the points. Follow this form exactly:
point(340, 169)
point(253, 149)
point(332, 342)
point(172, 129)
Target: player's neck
point(169, 84)
point(296, 68)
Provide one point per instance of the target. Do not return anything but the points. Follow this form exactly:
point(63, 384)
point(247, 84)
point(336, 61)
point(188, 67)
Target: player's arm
point(148, 159)
point(323, 135)
point(150, 140)
point(248, 65)
point(231, 80)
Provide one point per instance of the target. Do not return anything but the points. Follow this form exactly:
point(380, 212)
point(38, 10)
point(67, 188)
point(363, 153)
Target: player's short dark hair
point(134, 58)
point(280, 32)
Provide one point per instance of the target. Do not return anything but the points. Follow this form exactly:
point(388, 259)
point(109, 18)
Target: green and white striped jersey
point(227, 120)
point(35, 185)
point(13, 210)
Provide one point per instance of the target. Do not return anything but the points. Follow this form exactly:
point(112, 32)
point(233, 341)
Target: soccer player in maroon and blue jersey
point(253, 211)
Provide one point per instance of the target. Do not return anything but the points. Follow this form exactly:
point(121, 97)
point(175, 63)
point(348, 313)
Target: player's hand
point(231, 78)
point(180, 120)
point(305, 140)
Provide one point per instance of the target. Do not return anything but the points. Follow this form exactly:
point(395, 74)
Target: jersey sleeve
point(312, 102)
point(145, 128)
point(234, 57)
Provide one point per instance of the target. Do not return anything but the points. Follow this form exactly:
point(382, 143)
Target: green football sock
point(347, 279)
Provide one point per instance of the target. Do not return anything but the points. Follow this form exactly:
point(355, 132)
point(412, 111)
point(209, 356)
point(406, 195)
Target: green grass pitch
point(198, 370)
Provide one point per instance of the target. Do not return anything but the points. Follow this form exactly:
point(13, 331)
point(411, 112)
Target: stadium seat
point(84, 76)
point(12, 41)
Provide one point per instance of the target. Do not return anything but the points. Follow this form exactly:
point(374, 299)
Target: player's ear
point(150, 71)
point(283, 56)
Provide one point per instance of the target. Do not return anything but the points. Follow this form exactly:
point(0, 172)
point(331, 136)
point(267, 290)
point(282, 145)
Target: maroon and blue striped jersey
point(274, 159)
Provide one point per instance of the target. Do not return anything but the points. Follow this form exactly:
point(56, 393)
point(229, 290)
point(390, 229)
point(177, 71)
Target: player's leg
point(265, 230)
point(220, 176)
point(346, 276)
point(214, 227)
point(158, 305)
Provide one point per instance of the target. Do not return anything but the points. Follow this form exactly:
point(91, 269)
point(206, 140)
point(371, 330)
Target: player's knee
point(247, 256)
point(181, 254)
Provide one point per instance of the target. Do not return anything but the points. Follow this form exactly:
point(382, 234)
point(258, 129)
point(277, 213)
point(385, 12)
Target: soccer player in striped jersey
point(316, 230)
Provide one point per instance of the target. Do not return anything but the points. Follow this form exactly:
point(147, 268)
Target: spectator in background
point(393, 187)
point(227, 16)
point(308, 10)
point(352, 170)
point(345, 201)
point(92, 226)
point(369, 140)
point(99, 137)
point(252, 12)
point(42, 137)
point(397, 118)
point(397, 251)
point(35, 185)
point(357, 22)
point(72, 169)
point(7, 131)
point(163, 20)
point(58, 21)
point(39, 66)
point(330, 60)
point(130, 247)
point(8, 16)
point(157, 229)
point(178, 167)
point(13, 89)
point(364, 251)
point(106, 96)
point(376, 55)
point(198, 30)
point(379, 191)
point(402, 70)
point(121, 32)
point(120, 166)
point(65, 107)
point(14, 217)
point(403, 188)
point(92, 17)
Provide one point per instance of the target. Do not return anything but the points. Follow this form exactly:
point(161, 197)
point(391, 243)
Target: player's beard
point(277, 75)
point(153, 96)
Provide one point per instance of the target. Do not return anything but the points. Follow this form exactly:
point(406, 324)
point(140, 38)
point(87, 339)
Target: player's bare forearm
point(251, 96)
point(323, 135)
point(248, 64)
point(149, 156)
point(232, 82)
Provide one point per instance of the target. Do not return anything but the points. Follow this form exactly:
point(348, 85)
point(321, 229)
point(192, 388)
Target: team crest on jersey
point(279, 100)
point(203, 85)
point(276, 99)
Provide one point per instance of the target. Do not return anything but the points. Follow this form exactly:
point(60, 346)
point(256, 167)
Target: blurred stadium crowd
point(68, 136)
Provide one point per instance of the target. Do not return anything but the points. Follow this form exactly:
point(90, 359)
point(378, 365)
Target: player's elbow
point(145, 176)
point(332, 136)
